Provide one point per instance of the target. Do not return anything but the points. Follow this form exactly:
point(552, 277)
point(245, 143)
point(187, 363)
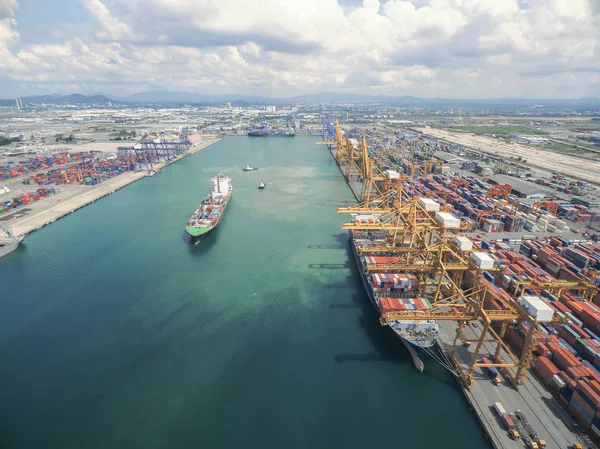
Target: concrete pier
point(546, 415)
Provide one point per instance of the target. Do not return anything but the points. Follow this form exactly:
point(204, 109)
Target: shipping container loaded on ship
point(389, 292)
point(211, 210)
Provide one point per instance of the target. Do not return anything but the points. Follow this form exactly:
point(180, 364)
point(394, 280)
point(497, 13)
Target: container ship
point(264, 132)
point(389, 292)
point(211, 210)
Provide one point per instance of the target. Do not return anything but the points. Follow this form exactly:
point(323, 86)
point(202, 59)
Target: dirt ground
point(568, 165)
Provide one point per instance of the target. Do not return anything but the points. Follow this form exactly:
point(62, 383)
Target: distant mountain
point(59, 99)
point(164, 97)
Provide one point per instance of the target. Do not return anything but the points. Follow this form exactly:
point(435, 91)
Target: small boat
point(248, 168)
point(261, 185)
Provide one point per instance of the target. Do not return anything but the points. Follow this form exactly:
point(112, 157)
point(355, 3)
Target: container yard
point(38, 190)
point(579, 168)
point(510, 280)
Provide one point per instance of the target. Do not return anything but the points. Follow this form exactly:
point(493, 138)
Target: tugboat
point(248, 168)
point(262, 184)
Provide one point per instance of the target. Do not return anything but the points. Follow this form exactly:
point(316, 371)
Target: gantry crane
point(422, 247)
point(586, 287)
point(346, 154)
point(550, 206)
point(500, 189)
point(357, 162)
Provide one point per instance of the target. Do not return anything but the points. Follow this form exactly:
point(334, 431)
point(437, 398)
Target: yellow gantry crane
point(357, 165)
point(423, 247)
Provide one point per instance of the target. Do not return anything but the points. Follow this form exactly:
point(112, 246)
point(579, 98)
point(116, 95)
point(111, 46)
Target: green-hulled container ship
point(211, 210)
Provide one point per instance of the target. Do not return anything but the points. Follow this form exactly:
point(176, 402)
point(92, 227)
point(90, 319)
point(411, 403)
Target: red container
point(575, 306)
point(563, 359)
point(574, 373)
point(594, 385)
point(564, 376)
point(508, 422)
point(546, 369)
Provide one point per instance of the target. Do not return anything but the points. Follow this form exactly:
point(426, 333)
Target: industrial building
point(591, 202)
point(522, 188)
point(448, 157)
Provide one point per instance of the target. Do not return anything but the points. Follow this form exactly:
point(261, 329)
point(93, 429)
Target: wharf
point(52, 209)
point(546, 415)
point(355, 186)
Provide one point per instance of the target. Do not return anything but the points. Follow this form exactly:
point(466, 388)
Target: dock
point(85, 195)
point(546, 415)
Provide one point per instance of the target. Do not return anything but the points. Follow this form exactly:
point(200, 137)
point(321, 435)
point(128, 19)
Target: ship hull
point(399, 327)
point(195, 239)
point(5, 250)
point(268, 134)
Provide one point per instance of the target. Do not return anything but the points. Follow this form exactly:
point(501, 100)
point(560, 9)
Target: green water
point(114, 333)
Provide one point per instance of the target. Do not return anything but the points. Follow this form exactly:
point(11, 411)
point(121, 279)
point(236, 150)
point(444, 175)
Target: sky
point(279, 48)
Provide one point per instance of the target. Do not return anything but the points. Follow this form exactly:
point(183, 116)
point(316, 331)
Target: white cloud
point(7, 8)
point(111, 28)
point(466, 48)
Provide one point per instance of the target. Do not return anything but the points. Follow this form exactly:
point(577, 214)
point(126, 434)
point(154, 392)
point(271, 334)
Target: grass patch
point(498, 130)
point(564, 148)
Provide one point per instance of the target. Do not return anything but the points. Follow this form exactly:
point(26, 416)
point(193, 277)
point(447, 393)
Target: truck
point(492, 371)
point(510, 426)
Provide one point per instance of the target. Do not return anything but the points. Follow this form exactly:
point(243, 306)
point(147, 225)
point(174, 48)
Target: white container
point(551, 228)
point(429, 205)
point(483, 261)
point(447, 220)
point(499, 409)
point(537, 308)
point(551, 219)
point(463, 243)
point(557, 381)
point(559, 224)
point(392, 174)
point(532, 217)
point(541, 227)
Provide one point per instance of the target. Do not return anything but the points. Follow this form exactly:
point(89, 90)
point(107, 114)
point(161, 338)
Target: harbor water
point(116, 333)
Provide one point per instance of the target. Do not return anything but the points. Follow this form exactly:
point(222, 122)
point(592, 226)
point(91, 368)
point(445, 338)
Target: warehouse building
point(448, 157)
point(591, 202)
point(522, 188)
